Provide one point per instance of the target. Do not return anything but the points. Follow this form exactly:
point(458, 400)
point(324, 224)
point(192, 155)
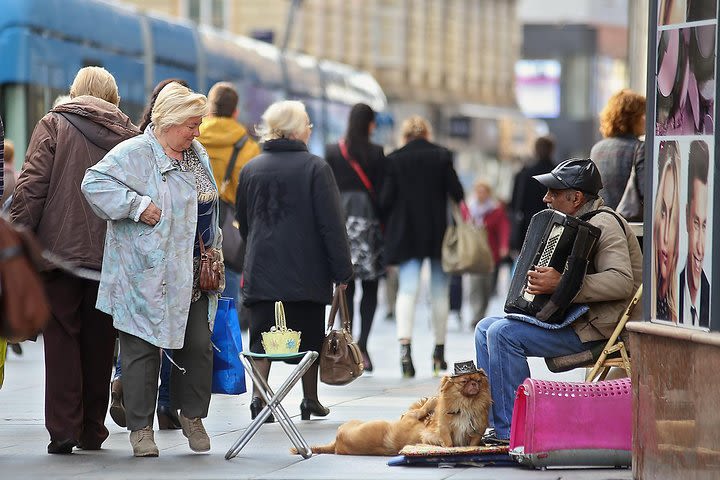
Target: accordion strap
point(586, 217)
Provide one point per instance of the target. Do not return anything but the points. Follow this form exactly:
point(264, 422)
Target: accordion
point(554, 240)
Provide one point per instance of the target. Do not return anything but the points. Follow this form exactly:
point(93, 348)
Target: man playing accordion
point(614, 272)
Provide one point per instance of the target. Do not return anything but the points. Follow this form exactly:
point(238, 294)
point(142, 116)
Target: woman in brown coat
point(79, 339)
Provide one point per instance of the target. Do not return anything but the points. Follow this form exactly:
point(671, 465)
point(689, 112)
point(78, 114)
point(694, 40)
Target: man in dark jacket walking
point(527, 193)
point(79, 340)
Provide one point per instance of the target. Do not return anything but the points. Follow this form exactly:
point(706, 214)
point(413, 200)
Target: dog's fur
point(460, 416)
point(456, 417)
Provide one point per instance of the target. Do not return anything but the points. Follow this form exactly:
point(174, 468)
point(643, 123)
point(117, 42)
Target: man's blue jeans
point(502, 347)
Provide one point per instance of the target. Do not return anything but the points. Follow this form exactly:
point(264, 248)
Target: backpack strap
point(233, 158)
point(590, 215)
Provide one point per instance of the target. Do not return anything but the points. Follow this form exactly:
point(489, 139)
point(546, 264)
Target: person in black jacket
point(290, 215)
point(527, 193)
point(420, 177)
point(358, 166)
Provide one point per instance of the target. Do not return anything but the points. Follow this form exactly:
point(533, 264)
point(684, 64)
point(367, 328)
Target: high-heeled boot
point(439, 362)
point(408, 370)
point(256, 406)
point(312, 406)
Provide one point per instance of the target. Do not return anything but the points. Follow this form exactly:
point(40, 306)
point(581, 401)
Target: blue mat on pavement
point(497, 460)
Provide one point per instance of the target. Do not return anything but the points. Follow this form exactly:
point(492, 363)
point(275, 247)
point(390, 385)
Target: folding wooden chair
point(602, 355)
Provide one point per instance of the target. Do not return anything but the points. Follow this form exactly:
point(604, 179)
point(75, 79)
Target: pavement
point(382, 395)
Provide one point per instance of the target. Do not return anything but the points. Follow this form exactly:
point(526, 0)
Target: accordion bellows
point(280, 339)
point(553, 240)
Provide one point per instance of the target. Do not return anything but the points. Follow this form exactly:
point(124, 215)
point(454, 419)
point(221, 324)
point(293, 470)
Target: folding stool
point(273, 400)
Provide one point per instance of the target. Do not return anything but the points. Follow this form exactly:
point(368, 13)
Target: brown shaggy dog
point(456, 417)
point(460, 415)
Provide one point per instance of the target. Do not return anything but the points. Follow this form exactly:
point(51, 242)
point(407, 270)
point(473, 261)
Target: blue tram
point(43, 43)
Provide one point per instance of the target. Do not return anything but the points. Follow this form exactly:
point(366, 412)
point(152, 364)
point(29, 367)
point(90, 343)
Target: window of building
point(217, 13)
point(207, 12)
point(193, 10)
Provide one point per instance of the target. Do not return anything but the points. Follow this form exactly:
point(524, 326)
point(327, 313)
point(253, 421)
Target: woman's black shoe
point(256, 407)
point(439, 362)
point(408, 369)
point(367, 364)
point(168, 418)
point(311, 406)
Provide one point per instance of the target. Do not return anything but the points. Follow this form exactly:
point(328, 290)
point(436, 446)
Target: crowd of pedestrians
point(140, 215)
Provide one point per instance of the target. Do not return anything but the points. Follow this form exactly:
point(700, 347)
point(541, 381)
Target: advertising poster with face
point(683, 170)
point(682, 232)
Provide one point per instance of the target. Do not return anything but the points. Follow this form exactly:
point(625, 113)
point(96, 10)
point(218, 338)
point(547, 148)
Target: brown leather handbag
point(24, 308)
point(209, 269)
point(340, 359)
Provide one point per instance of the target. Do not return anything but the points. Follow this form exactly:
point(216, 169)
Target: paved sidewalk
point(385, 395)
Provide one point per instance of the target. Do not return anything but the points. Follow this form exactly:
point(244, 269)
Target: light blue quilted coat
point(146, 278)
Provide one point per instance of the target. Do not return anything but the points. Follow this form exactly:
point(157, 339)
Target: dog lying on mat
point(456, 417)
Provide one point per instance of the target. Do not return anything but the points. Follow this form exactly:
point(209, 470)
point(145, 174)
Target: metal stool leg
point(273, 404)
point(273, 400)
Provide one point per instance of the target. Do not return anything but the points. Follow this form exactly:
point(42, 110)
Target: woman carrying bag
point(419, 181)
point(358, 166)
point(289, 213)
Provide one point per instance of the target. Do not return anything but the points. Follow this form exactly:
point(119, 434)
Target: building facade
point(428, 50)
point(452, 61)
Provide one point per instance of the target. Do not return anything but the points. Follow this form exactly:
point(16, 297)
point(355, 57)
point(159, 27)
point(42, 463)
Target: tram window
point(133, 110)
point(39, 102)
point(91, 62)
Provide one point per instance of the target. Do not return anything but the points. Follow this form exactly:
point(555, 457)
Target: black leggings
point(368, 304)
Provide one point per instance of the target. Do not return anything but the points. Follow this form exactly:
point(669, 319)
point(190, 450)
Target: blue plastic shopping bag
point(228, 371)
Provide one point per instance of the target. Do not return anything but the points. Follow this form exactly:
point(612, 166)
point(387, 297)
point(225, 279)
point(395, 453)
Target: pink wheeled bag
point(572, 424)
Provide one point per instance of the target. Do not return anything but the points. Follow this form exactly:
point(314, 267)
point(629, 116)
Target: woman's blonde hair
point(283, 119)
point(621, 114)
point(415, 127)
point(668, 160)
point(96, 82)
point(175, 104)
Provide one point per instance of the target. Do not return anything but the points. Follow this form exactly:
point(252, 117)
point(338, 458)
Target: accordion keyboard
point(548, 252)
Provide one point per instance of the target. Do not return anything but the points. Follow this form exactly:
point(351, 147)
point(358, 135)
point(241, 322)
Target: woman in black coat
point(289, 213)
point(419, 179)
point(358, 166)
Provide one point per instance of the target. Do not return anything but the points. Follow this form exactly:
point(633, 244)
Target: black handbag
point(233, 246)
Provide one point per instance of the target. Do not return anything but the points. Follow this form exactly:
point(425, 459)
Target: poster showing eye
point(686, 81)
point(681, 261)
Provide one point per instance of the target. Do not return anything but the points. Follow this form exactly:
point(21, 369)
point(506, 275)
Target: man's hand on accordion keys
point(542, 280)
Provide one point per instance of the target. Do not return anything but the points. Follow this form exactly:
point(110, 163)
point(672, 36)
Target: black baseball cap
point(575, 173)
